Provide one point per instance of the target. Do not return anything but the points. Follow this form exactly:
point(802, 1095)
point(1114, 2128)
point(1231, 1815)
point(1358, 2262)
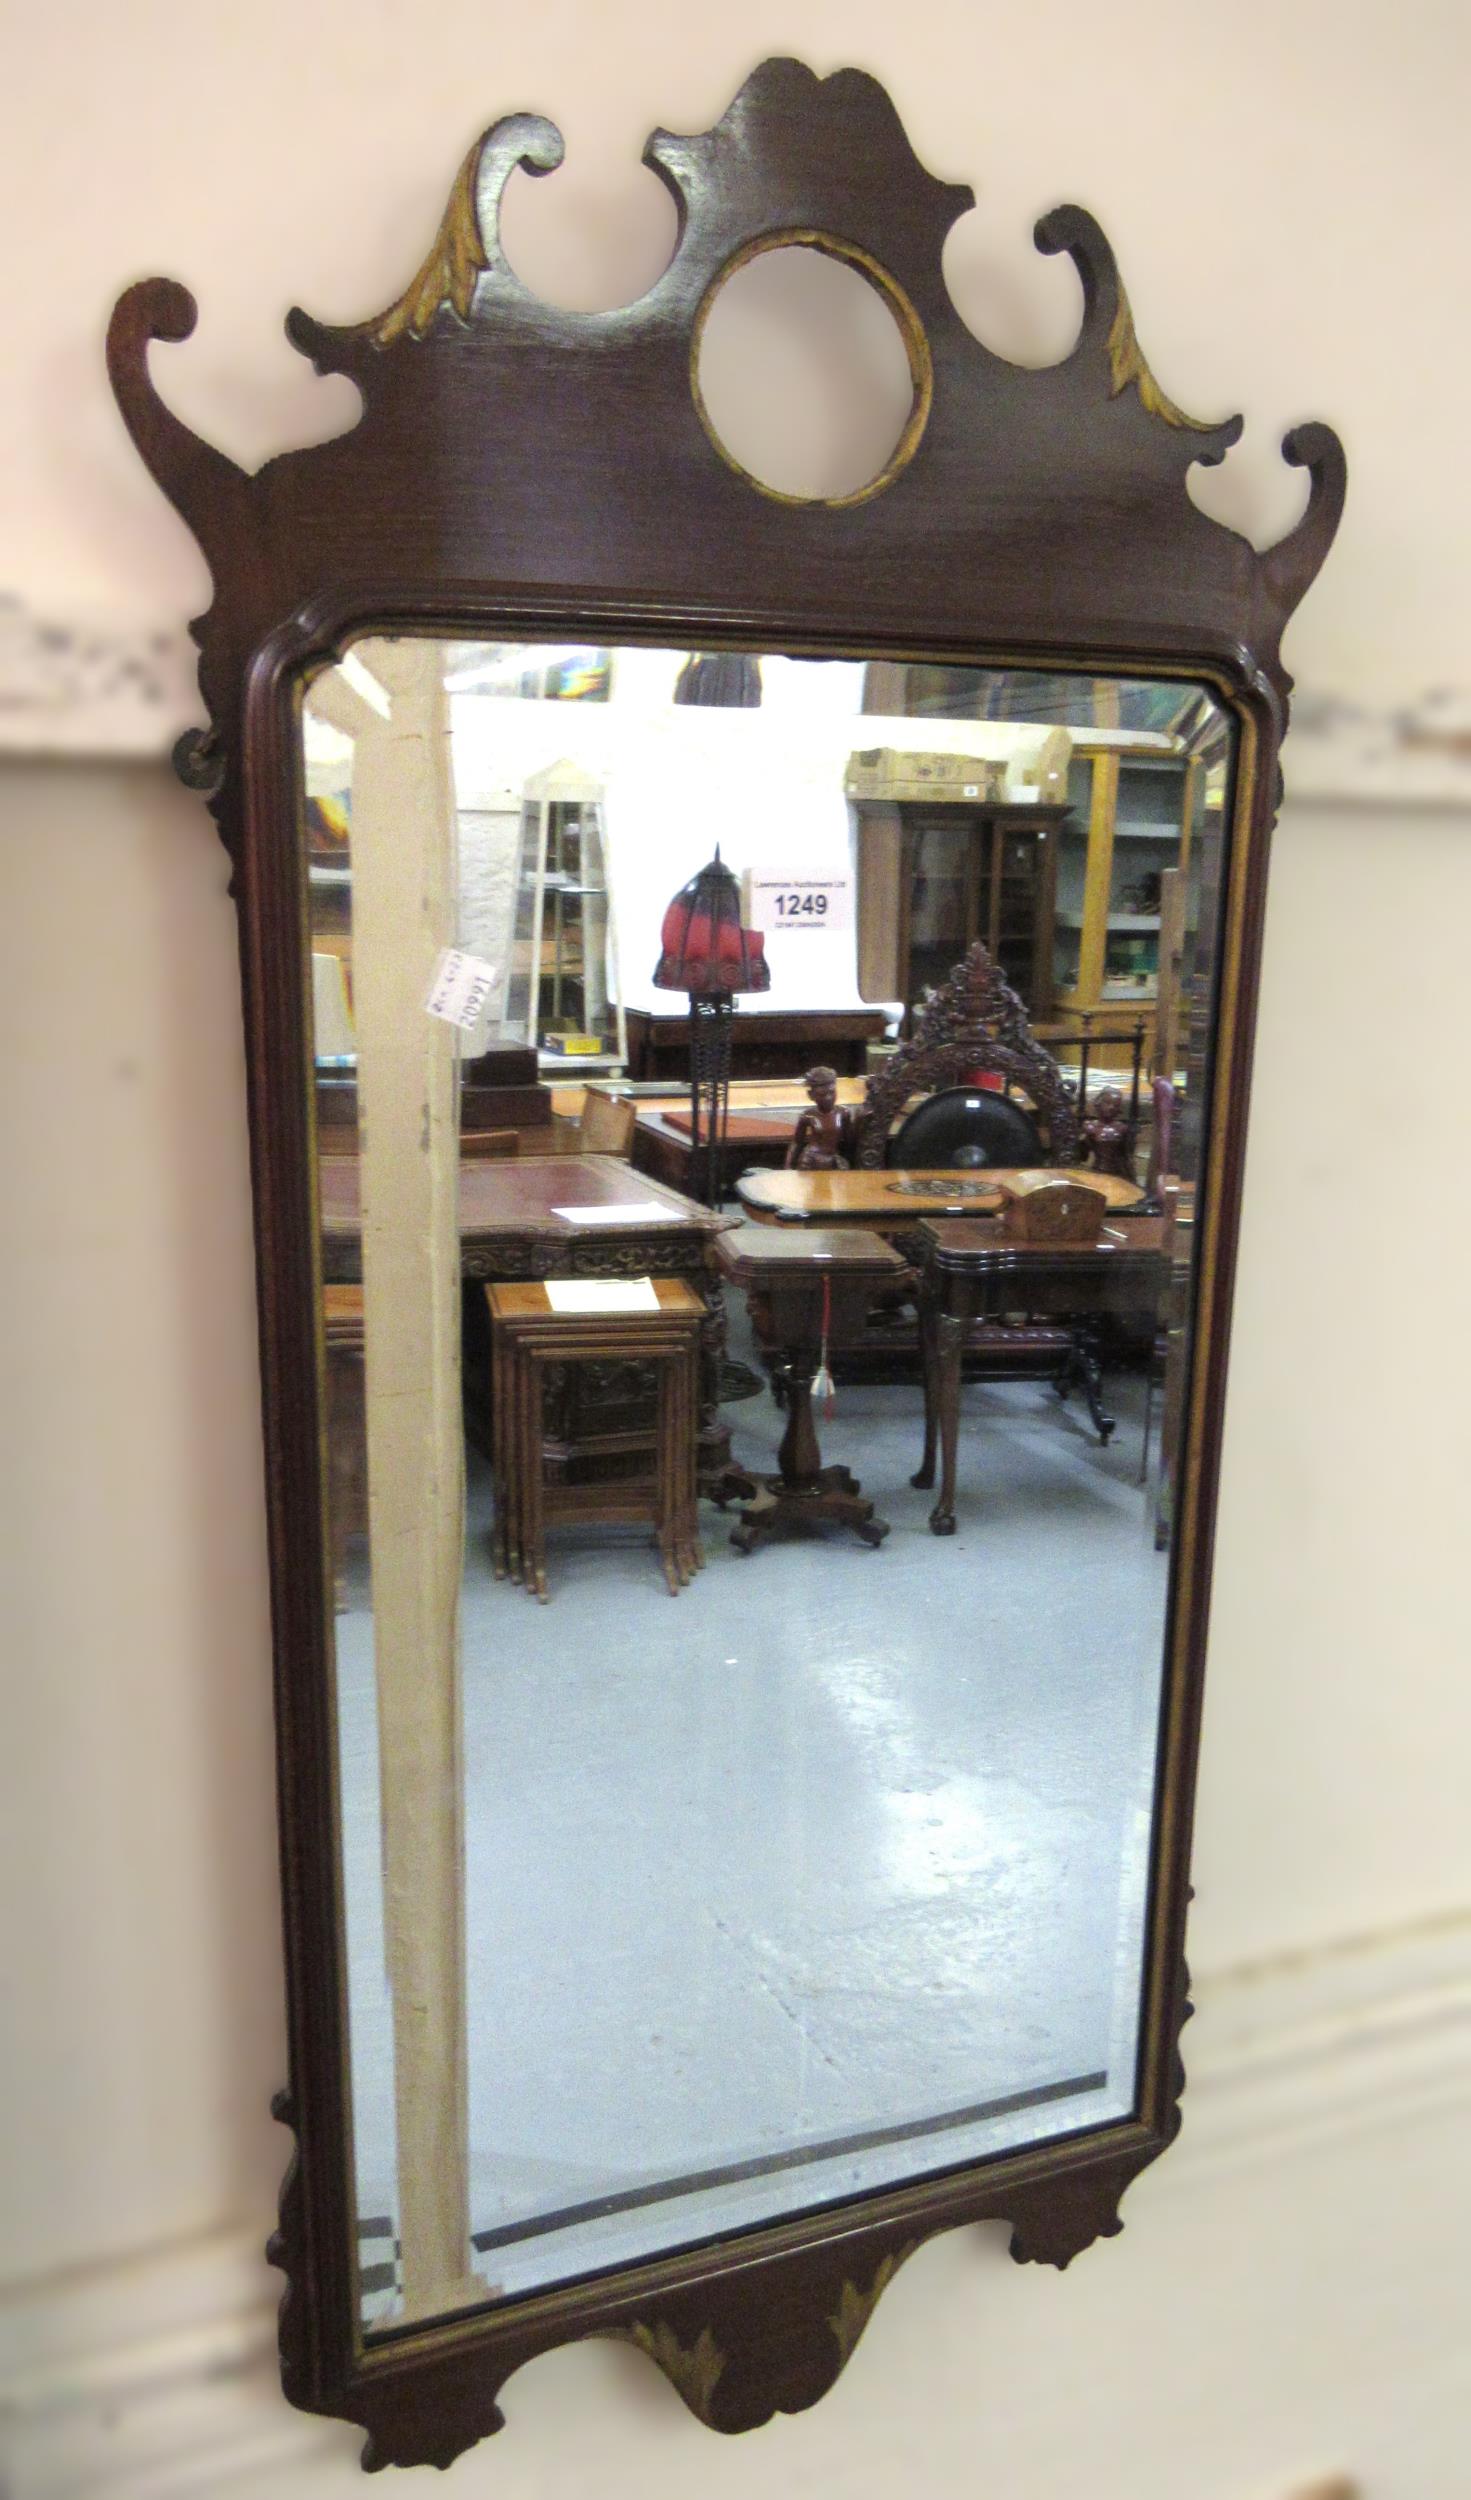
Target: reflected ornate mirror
point(743, 1344)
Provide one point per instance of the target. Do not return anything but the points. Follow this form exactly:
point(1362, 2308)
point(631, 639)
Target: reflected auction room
point(758, 1103)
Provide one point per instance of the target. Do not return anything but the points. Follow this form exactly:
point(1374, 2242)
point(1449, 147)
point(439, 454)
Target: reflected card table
point(893, 1204)
point(971, 1271)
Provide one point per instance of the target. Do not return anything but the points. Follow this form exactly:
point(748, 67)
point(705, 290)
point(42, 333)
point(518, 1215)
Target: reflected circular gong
point(967, 1129)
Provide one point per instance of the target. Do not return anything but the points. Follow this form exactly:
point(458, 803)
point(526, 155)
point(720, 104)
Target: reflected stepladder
point(798, 1845)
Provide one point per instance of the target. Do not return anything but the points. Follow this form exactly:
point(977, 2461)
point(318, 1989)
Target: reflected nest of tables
point(540, 1216)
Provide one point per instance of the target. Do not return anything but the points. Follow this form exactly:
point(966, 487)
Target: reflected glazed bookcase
point(1134, 815)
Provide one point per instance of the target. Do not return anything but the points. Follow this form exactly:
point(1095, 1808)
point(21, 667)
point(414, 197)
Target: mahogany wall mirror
point(730, 1831)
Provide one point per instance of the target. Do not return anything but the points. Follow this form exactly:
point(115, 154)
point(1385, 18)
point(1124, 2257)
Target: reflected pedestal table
point(808, 1292)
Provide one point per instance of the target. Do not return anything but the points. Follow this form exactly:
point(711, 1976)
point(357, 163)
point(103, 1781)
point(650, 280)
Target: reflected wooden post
point(1172, 904)
point(1098, 875)
point(404, 911)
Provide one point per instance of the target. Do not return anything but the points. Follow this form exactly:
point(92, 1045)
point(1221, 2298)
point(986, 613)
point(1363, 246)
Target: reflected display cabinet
point(1133, 822)
point(562, 993)
point(939, 871)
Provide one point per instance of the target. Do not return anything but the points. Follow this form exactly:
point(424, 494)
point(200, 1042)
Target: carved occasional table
point(896, 1201)
point(510, 1232)
point(807, 1291)
point(970, 1271)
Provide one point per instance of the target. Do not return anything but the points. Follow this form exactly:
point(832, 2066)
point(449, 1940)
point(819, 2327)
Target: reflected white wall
point(766, 785)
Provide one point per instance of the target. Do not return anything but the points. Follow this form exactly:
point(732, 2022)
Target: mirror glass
point(750, 1550)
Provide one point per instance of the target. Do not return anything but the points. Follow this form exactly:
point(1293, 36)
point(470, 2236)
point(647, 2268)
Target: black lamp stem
point(710, 1054)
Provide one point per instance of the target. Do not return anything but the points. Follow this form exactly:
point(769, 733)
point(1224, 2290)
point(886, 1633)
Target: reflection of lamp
point(729, 678)
point(709, 956)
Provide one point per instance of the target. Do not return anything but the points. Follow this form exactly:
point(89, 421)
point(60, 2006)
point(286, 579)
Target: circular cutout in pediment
point(810, 370)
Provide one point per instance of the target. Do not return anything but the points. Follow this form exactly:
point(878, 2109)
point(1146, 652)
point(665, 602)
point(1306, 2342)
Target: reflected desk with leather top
point(972, 1271)
point(760, 1125)
point(510, 1230)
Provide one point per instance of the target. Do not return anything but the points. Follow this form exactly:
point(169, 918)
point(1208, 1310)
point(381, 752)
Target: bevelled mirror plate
point(749, 1007)
point(833, 1873)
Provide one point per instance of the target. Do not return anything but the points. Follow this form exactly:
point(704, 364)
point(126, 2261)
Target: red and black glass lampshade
point(707, 952)
point(709, 956)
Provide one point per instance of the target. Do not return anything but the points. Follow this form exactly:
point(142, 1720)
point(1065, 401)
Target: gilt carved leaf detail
point(447, 276)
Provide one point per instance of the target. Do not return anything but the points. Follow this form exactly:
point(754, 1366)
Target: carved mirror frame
point(517, 471)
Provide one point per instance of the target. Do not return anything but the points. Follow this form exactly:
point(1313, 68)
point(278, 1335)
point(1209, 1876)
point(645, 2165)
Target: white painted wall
point(1285, 186)
point(766, 785)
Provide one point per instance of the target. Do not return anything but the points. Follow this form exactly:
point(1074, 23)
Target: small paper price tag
point(461, 985)
point(573, 1295)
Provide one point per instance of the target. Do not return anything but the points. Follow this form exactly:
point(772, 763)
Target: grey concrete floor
point(826, 1873)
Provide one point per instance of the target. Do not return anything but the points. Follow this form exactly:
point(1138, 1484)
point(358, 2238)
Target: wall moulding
point(154, 2379)
point(80, 683)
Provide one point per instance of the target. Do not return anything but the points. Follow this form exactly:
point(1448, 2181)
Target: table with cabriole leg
point(970, 1270)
